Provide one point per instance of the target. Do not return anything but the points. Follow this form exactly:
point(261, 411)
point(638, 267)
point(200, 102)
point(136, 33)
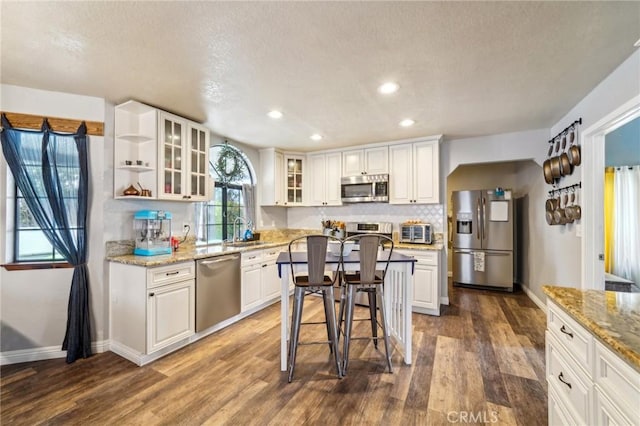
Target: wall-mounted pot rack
point(565, 189)
point(566, 129)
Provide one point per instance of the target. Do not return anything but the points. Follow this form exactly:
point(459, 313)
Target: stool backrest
point(316, 257)
point(369, 245)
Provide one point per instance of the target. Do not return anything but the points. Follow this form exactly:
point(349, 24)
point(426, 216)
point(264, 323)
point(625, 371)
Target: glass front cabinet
point(183, 157)
point(294, 165)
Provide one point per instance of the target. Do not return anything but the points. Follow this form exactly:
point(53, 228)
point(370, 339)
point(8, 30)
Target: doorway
point(593, 147)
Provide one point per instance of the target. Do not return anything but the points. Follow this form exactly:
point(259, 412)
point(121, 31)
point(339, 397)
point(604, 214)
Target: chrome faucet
point(236, 221)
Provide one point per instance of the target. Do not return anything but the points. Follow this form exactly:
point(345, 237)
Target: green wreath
point(230, 165)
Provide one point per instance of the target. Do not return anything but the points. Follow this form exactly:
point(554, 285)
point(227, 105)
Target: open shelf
point(135, 168)
point(136, 137)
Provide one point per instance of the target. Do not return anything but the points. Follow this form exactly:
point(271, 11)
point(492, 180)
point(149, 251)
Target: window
point(232, 173)
point(30, 243)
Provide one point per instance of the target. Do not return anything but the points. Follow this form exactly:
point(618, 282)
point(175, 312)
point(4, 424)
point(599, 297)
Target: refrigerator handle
point(478, 222)
point(484, 218)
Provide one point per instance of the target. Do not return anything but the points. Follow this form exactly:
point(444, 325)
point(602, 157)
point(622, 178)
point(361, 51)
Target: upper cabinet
point(414, 173)
point(272, 177)
point(162, 152)
point(369, 161)
point(324, 179)
point(184, 159)
point(282, 178)
point(294, 183)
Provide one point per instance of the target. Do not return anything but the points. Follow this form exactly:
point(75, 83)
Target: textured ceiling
point(464, 68)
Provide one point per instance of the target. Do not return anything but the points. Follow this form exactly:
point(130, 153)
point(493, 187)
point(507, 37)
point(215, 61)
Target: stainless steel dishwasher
point(217, 290)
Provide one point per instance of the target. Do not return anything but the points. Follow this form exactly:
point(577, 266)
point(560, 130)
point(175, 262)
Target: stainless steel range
point(360, 228)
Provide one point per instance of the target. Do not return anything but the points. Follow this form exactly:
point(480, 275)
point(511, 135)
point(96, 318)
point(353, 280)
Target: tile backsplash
point(310, 217)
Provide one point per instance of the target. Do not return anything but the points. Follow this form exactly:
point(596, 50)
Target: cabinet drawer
point(569, 382)
point(423, 257)
point(618, 380)
point(171, 273)
point(576, 340)
point(271, 254)
point(251, 257)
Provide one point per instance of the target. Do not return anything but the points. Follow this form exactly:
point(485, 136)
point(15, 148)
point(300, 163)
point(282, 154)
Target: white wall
point(34, 303)
point(619, 88)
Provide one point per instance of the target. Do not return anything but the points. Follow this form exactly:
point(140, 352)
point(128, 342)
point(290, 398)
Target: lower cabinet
point(426, 285)
point(588, 383)
point(260, 281)
point(150, 308)
point(170, 314)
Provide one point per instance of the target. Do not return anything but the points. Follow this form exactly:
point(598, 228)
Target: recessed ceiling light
point(274, 114)
point(316, 137)
point(389, 87)
point(407, 122)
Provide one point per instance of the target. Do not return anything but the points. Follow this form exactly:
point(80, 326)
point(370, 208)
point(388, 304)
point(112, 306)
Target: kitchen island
point(398, 294)
point(593, 356)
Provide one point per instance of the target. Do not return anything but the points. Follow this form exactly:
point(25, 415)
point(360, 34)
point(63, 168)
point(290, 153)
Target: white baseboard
point(43, 353)
point(534, 298)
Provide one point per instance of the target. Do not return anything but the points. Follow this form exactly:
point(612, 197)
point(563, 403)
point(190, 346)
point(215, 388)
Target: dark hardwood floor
point(481, 362)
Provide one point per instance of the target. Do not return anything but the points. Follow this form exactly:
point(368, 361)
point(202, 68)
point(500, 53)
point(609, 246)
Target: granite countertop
point(193, 252)
point(613, 317)
point(425, 247)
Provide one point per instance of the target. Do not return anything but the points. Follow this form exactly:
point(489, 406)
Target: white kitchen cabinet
point(283, 178)
point(588, 382)
point(324, 170)
point(426, 286)
point(414, 173)
point(165, 153)
point(135, 148)
point(199, 182)
point(170, 314)
point(294, 179)
point(183, 158)
point(368, 161)
point(152, 310)
point(272, 177)
point(270, 278)
point(260, 281)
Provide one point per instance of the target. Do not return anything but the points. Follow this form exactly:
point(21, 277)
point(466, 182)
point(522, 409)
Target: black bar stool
point(314, 282)
point(369, 279)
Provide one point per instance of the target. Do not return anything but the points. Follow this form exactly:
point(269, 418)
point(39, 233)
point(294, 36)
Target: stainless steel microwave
point(365, 189)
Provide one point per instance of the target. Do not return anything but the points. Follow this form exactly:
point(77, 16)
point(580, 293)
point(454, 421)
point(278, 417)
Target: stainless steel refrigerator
point(483, 238)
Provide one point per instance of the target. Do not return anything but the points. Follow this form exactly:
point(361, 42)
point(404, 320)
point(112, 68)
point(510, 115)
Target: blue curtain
point(51, 172)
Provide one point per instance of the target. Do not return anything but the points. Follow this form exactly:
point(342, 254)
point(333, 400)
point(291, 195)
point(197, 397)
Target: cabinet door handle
point(560, 377)
point(264, 266)
point(168, 274)
point(151, 294)
point(564, 330)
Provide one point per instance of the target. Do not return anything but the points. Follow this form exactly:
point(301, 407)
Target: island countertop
point(613, 317)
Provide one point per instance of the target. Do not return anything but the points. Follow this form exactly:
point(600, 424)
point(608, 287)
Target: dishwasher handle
point(224, 259)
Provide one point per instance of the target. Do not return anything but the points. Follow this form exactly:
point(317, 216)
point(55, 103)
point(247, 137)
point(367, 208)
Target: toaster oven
point(418, 233)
